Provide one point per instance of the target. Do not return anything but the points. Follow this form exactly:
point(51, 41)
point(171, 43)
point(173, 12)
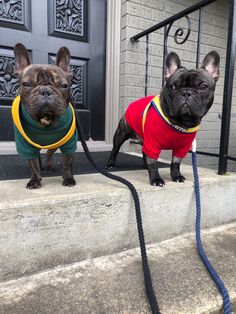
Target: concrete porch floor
point(40, 229)
point(74, 250)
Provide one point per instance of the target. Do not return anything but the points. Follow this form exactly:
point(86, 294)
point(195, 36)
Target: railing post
point(146, 65)
point(228, 89)
point(164, 55)
point(199, 37)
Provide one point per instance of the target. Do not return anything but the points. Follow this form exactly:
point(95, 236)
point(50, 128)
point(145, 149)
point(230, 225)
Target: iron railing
point(180, 38)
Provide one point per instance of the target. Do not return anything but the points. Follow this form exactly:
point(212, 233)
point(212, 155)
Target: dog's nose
point(187, 93)
point(45, 91)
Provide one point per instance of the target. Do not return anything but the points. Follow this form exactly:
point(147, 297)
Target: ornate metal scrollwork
point(8, 82)
point(180, 32)
point(178, 38)
point(11, 10)
point(69, 16)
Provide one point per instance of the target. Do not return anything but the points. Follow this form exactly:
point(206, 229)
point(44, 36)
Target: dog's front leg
point(154, 176)
point(174, 170)
point(35, 180)
point(68, 178)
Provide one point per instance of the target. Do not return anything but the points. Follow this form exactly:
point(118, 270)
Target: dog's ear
point(172, 64)
point(22, 58)
point(211, 64)
point(63, 60)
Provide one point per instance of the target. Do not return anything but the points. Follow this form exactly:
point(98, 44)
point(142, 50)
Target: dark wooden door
point(44, 26)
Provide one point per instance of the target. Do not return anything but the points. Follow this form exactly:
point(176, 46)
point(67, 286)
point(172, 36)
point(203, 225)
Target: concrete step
point(40, 229)
point(114, 284)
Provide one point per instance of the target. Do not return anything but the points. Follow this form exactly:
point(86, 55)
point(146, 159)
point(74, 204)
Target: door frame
point(112, 96)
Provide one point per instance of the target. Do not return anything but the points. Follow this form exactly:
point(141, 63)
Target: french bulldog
point(171, 120)
point(44, 112)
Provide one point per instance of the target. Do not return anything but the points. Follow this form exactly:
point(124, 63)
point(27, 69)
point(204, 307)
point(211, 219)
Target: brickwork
point(138, 15)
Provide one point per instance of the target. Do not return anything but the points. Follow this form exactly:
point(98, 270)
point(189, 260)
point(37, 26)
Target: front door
point(44, 26)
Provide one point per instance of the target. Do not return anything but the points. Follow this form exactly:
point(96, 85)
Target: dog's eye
point(172, 86)
point(204, 86)
point(64, 85)
point(26, 84)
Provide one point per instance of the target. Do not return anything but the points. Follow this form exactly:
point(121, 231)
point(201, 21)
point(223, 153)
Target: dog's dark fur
point(185, 99)
point(45, 92)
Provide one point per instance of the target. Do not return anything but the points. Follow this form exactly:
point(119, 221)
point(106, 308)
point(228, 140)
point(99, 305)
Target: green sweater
point(44, 135)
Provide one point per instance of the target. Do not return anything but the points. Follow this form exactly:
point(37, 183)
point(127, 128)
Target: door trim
point(112, 68)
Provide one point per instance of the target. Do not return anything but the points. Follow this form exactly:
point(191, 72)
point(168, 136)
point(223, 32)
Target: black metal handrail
point(172, 19)
point(229, 66)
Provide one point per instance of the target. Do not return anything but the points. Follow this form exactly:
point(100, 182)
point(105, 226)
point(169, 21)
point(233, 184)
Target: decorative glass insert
point(15, 14)
point(77, 84)
point(8, 81)
point(69, 16)
point(11, 11)
point(68, 19)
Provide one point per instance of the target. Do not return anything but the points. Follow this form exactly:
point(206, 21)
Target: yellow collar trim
point(16, 119)
point(156, 103)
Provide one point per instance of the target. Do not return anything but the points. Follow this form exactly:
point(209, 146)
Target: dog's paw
point(34, 184)
point(179, 178)
point(110, 165)
point(158, 182)
point(69, 182)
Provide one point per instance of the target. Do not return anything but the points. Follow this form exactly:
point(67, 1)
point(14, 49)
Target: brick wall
point(138, 15)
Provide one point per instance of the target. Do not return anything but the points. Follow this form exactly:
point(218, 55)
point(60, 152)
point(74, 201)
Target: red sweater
point(156, 131)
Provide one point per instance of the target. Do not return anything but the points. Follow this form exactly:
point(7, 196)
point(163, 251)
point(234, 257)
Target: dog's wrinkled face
point(188, 94)
point(44, 89)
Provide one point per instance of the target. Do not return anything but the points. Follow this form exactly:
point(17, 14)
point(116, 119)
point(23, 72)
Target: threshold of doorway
point(9, 148)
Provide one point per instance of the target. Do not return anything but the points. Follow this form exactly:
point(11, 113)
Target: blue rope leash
point(215, 277)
